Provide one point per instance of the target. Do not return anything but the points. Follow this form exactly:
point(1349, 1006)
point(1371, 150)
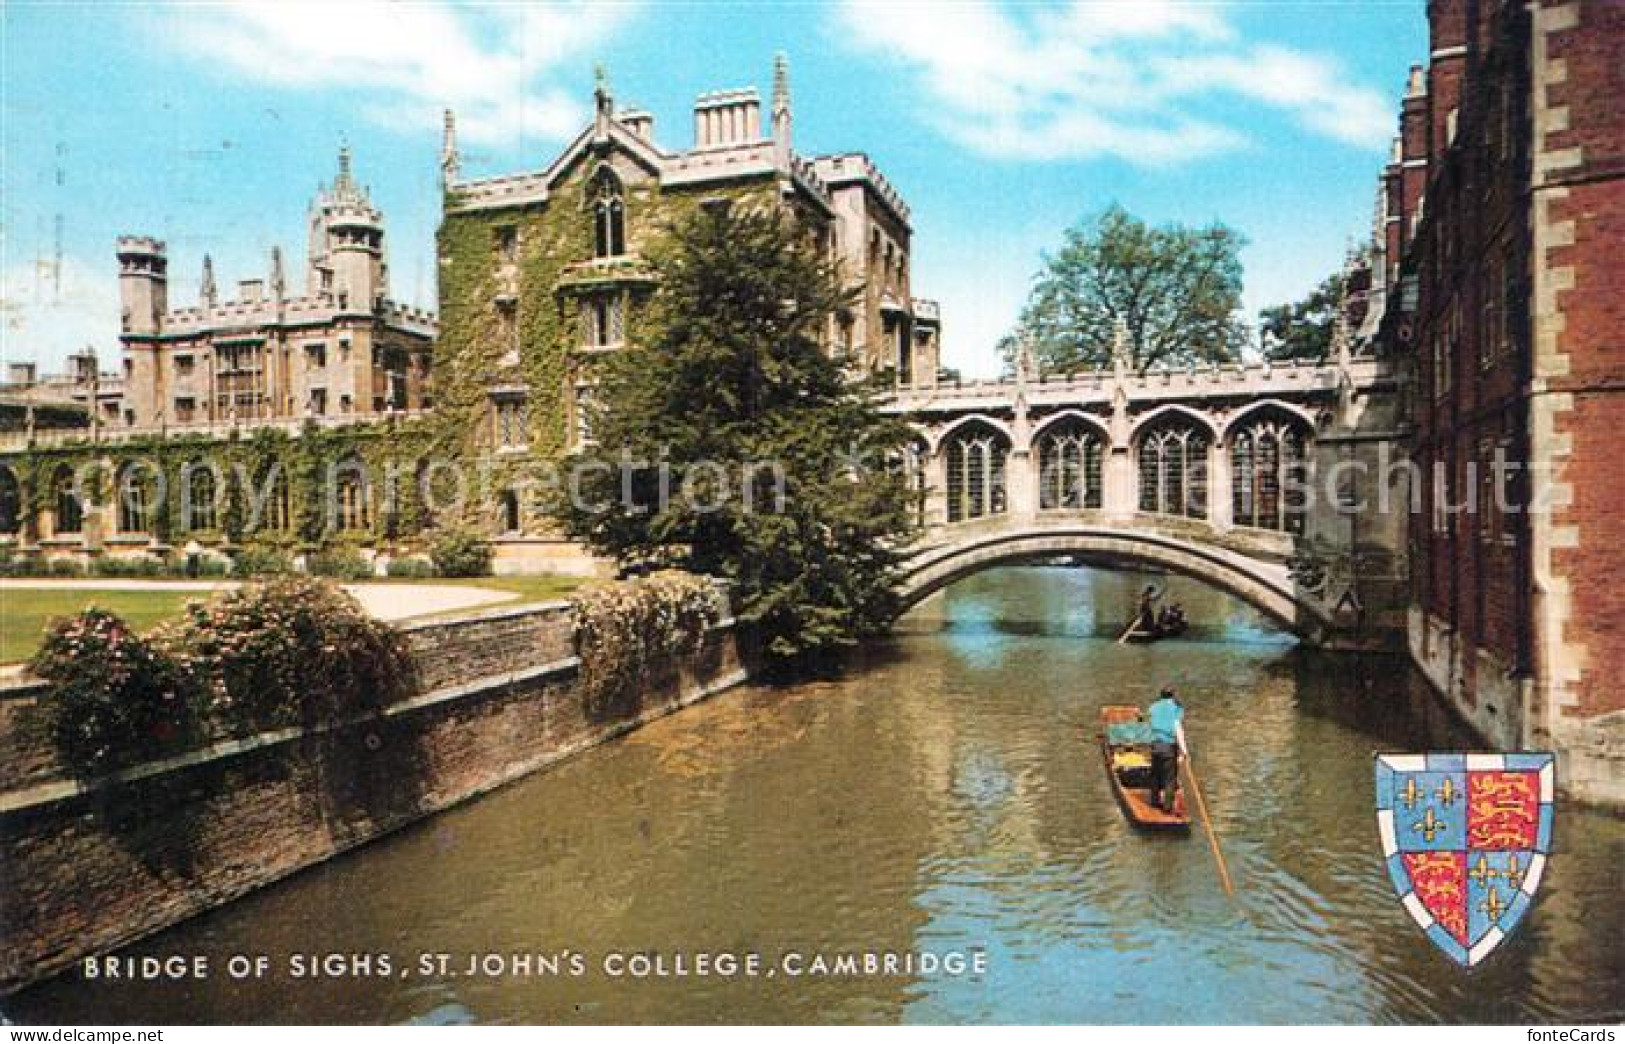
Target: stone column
point(1218, 486)
point(936, 492)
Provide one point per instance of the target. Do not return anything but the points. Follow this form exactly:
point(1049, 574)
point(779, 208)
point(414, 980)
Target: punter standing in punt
point(1166, 717)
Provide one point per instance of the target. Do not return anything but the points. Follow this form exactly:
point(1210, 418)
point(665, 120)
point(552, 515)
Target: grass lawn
point(24, 613)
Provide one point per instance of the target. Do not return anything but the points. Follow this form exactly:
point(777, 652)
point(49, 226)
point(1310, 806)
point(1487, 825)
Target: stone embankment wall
point(85, 868)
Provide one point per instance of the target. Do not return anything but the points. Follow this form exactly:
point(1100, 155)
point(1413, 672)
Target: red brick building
point(1503, 250)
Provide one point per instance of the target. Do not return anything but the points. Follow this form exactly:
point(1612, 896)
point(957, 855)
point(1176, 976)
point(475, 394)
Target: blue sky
point(209, 126)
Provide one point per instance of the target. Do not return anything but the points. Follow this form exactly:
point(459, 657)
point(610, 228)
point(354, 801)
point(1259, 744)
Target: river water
point(943, 797)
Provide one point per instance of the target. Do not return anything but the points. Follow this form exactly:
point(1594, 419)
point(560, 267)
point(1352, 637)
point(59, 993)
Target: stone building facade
point(338, 348)
point(1501, 260)
point(542, 272)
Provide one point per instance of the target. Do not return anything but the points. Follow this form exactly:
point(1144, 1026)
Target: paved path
point(385, 601)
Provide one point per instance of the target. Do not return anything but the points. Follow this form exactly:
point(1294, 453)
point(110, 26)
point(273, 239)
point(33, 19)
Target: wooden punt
point(1127, 766)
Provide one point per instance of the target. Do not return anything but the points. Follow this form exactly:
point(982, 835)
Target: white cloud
point(1134, 79)
point(490, 63)
point(45, 318)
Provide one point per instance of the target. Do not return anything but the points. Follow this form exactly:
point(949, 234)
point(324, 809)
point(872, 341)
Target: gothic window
point(510, 422)
point(608, 216)
point(201, 497)
point(976, 462)
point(70, 513)
point(134, 500)
point(1268, 473)
point(1069, 462)
point(511, 517)
point(353, 509)
point(271, 493)
point(11, 503)
point(585, 403)
point(1173, 469)
point(603, 320)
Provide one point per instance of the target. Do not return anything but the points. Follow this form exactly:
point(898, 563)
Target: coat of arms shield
point(1466, 838)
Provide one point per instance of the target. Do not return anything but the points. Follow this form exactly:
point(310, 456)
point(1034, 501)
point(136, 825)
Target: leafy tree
point(729, 443)
point(1177, 290)
point(1303, 330)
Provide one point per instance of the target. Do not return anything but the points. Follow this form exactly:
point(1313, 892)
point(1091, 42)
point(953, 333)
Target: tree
point(1303, 330)
point(729, 443)
point(1177, 290)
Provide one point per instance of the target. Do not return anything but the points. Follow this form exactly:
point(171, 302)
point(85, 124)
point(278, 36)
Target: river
point(944, 796)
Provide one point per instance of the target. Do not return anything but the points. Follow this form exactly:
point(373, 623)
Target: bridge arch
point(1265, 585)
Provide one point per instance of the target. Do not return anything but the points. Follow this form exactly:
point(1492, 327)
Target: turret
point(347, 243)
point(143, 284)
point(208, 296)
point(451, 163)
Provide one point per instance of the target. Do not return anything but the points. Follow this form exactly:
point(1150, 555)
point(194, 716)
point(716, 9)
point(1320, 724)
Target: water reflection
point(945, 795)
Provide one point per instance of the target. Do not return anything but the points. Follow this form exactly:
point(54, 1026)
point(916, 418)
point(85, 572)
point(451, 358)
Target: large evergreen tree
point(1177, 290)
point(733, 375)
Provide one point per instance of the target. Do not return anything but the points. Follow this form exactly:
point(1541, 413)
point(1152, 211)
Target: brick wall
point(85, 872)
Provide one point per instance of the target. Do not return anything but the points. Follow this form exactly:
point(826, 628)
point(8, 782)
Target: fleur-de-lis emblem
point(1430, 825)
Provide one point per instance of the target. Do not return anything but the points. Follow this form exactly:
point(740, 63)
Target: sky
point(210, 125)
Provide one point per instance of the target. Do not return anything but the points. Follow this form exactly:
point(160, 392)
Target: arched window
point(11, 503)
point(1267, 472)
point(134, 499)
point(353, 507)
point(70, 513)
point(1173, 469)
point(1069, 461)
point(976, 459)
point(608, 215)
point(202, 498)
point(270, 508)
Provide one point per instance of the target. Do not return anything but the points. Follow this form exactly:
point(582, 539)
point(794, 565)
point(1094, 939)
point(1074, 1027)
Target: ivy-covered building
point(543, 271)
point(326, 422)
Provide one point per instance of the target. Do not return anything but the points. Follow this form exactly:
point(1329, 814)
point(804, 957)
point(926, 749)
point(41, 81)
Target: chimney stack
point(638, 122)
point(727, 118)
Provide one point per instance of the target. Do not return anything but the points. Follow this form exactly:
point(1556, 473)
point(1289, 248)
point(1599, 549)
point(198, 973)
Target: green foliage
point(115, 700)
point(628, 631)
point(260, 561)
point(65, 567)
point(291, 651)
point(1303, 329)
point(340, 563)
point(461, 552)
point(1176, 289)
point(732, 375)
point(129, 566)
point(410, 568)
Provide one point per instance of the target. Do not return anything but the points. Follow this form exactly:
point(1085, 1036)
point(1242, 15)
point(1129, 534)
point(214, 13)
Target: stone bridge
point(1263, 480)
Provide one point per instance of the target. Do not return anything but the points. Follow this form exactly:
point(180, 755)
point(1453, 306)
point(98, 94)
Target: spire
point(603, 103)
point(207, 293)
point(279, 285)
point(780, 114)
point(450, 162)
point(344, 183)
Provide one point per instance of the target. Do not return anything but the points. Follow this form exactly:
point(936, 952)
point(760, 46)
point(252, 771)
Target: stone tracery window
point(608, 215)
point(1173, 469)
point(1069, 466)
point(202, 497)
point(1267, 472)
point(70, 513)
point(354, 506)
point(976, 465)
point(134, 500)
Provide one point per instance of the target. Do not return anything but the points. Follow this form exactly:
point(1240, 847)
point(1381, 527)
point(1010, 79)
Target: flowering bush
point(628, 630)
point(458, 552)
point(116, 699)
point(291, 651)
